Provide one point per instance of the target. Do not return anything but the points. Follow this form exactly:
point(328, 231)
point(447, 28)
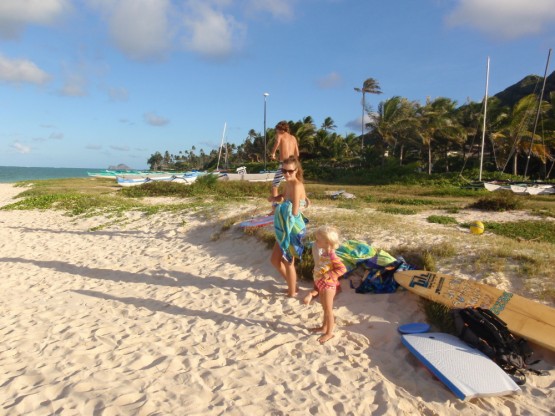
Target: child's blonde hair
point(328, 233)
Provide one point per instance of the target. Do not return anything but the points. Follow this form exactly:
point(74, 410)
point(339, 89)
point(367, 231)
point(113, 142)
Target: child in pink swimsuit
point(328, 268)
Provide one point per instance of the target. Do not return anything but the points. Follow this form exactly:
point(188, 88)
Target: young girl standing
point(289, 224)
point(328, 268)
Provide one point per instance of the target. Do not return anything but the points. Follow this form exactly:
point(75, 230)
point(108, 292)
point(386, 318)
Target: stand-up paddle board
point(467, 372)
point(258, 222)
point(524, 317)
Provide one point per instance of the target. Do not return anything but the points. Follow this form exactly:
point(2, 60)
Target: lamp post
point(363, 91)
point(265, 150)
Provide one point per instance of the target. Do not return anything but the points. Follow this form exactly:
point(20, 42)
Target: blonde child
point(328, 268)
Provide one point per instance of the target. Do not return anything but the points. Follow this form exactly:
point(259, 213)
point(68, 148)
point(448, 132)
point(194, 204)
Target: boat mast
point(537, 115)
point(221, 145)
point(484, 124)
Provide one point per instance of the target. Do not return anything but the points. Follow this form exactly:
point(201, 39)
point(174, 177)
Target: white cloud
point(21, 71)
point(118, 94)
point(504, 18)
point(331, 80)
point(146, 29)
point(139, 28)
point(356, 124)
point(280, 9)
point(75, 85)
point(120, 148)
point(93, 147)
point(155, 120)
point(21, 148)
point(211, 33)
point(56, 136)
point(15, 14)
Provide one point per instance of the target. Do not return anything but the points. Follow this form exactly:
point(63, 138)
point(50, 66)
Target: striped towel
point(290, 231)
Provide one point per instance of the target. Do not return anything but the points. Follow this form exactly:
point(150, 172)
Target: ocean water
point(10, 174)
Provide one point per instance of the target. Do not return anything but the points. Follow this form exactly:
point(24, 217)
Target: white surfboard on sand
point(466, 371)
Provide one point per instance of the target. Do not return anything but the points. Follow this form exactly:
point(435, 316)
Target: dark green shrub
point(503, 200)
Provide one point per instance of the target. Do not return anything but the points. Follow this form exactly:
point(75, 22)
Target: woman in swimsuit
point(288, 244)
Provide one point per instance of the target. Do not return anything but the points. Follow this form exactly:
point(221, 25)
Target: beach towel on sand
point(290, 231)
point(370, 270)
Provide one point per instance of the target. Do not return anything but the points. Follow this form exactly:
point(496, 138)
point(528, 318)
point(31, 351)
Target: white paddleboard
point(467, 372)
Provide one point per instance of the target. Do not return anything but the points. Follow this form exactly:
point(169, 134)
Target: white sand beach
point(152, 316)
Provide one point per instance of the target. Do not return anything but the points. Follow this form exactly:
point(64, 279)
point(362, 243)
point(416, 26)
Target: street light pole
point(362, 121)
point(265, 150)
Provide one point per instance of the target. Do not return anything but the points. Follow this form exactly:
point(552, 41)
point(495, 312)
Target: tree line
point(436, 136)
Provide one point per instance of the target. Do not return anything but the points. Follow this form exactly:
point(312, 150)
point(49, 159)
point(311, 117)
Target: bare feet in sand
point(286, 291)
point(325, 338)
point(309, 297)
point(318, 330)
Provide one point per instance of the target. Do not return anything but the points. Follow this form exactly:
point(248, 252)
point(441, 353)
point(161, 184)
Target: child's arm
point(337, 268)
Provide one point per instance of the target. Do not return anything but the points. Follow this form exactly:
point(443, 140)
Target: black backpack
point(484, 330)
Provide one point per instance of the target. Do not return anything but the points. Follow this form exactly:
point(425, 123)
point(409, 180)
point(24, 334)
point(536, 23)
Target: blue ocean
point(9, 174)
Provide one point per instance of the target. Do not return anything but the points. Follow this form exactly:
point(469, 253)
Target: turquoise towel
point(290, 231)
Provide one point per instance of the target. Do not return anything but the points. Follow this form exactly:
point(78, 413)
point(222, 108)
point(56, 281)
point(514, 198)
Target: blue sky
point(93, 83)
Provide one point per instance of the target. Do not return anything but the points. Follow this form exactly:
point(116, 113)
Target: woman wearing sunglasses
point(289, 223)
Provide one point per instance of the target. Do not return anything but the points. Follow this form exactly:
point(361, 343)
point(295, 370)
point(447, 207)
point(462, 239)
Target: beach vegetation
point(543, 212)
point(502, 200)
point(526, 230)
point(408, 201)
point(398, 210)
point(425, 256)
point(441, 219)
point(205, 186)
point(438, 315)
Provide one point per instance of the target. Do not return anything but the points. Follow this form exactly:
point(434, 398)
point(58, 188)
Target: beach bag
point(378, 279)
point(484, 330)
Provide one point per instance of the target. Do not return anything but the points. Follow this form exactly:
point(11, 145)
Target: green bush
point(503, 200)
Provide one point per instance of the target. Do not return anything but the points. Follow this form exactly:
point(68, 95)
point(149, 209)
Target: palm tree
point(394, 122)
point(437, 117)
point(507, 138)
point(369, 86)
point(155, 160)
point(305, 132)
point(328, 124)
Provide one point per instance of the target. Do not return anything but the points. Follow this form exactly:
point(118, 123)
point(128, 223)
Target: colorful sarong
point(290, 230)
